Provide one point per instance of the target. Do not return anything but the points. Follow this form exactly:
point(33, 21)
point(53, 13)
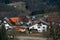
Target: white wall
point(42, 27)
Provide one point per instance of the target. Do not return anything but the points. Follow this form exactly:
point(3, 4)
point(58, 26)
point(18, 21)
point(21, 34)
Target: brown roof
point(53, 18)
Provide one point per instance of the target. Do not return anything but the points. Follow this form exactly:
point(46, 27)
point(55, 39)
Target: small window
point(38, 27)
point(43, 27)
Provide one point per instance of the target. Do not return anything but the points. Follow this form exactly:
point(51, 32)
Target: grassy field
point(44, 34)
point(14, 39)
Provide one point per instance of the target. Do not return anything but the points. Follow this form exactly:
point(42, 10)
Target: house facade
point(40, 28)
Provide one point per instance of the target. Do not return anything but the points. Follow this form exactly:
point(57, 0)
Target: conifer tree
point(3, 34)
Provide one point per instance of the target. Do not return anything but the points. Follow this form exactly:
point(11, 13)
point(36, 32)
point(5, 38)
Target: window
point(39, 27)
point(43, 27)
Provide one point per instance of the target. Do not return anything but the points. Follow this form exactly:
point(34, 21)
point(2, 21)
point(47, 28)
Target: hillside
point(17, 7)
point(8, 11)
point(46, 5)
point(33, 5)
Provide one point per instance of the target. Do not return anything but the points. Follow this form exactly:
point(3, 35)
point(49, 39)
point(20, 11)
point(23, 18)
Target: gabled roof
point(15, 19)
point(44, 22)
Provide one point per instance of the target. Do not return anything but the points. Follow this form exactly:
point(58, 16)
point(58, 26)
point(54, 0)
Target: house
point(15, 20)
point(39, 27)
point(20, 20)
point(19, 29)
point(7, 26)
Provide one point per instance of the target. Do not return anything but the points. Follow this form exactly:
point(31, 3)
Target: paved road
point(32, 38)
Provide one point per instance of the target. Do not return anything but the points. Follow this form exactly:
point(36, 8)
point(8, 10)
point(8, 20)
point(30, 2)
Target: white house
point(39, 28)
point(7, 26)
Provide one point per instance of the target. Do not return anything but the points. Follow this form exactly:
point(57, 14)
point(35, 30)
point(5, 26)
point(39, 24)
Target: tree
point(33, 5)
point(5, 1)
point(3, 34)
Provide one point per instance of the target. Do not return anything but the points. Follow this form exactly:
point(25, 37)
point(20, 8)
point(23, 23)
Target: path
point(30, 38)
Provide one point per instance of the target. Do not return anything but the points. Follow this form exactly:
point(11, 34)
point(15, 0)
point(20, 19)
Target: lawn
point(13, 39)
point(44, 34)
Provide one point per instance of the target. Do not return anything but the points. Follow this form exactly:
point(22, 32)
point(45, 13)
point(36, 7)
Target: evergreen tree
point(5, 1)
point(3, 35)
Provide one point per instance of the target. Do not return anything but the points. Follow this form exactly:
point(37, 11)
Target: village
point(29, 20)
point(26, 25)
point(32, 26)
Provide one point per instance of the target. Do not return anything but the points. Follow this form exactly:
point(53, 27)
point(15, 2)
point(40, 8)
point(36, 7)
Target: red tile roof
point(15, 19)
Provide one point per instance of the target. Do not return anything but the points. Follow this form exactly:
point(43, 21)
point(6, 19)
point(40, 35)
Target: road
point(30, 38)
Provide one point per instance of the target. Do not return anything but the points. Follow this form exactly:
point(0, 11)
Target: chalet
point(39, 27)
